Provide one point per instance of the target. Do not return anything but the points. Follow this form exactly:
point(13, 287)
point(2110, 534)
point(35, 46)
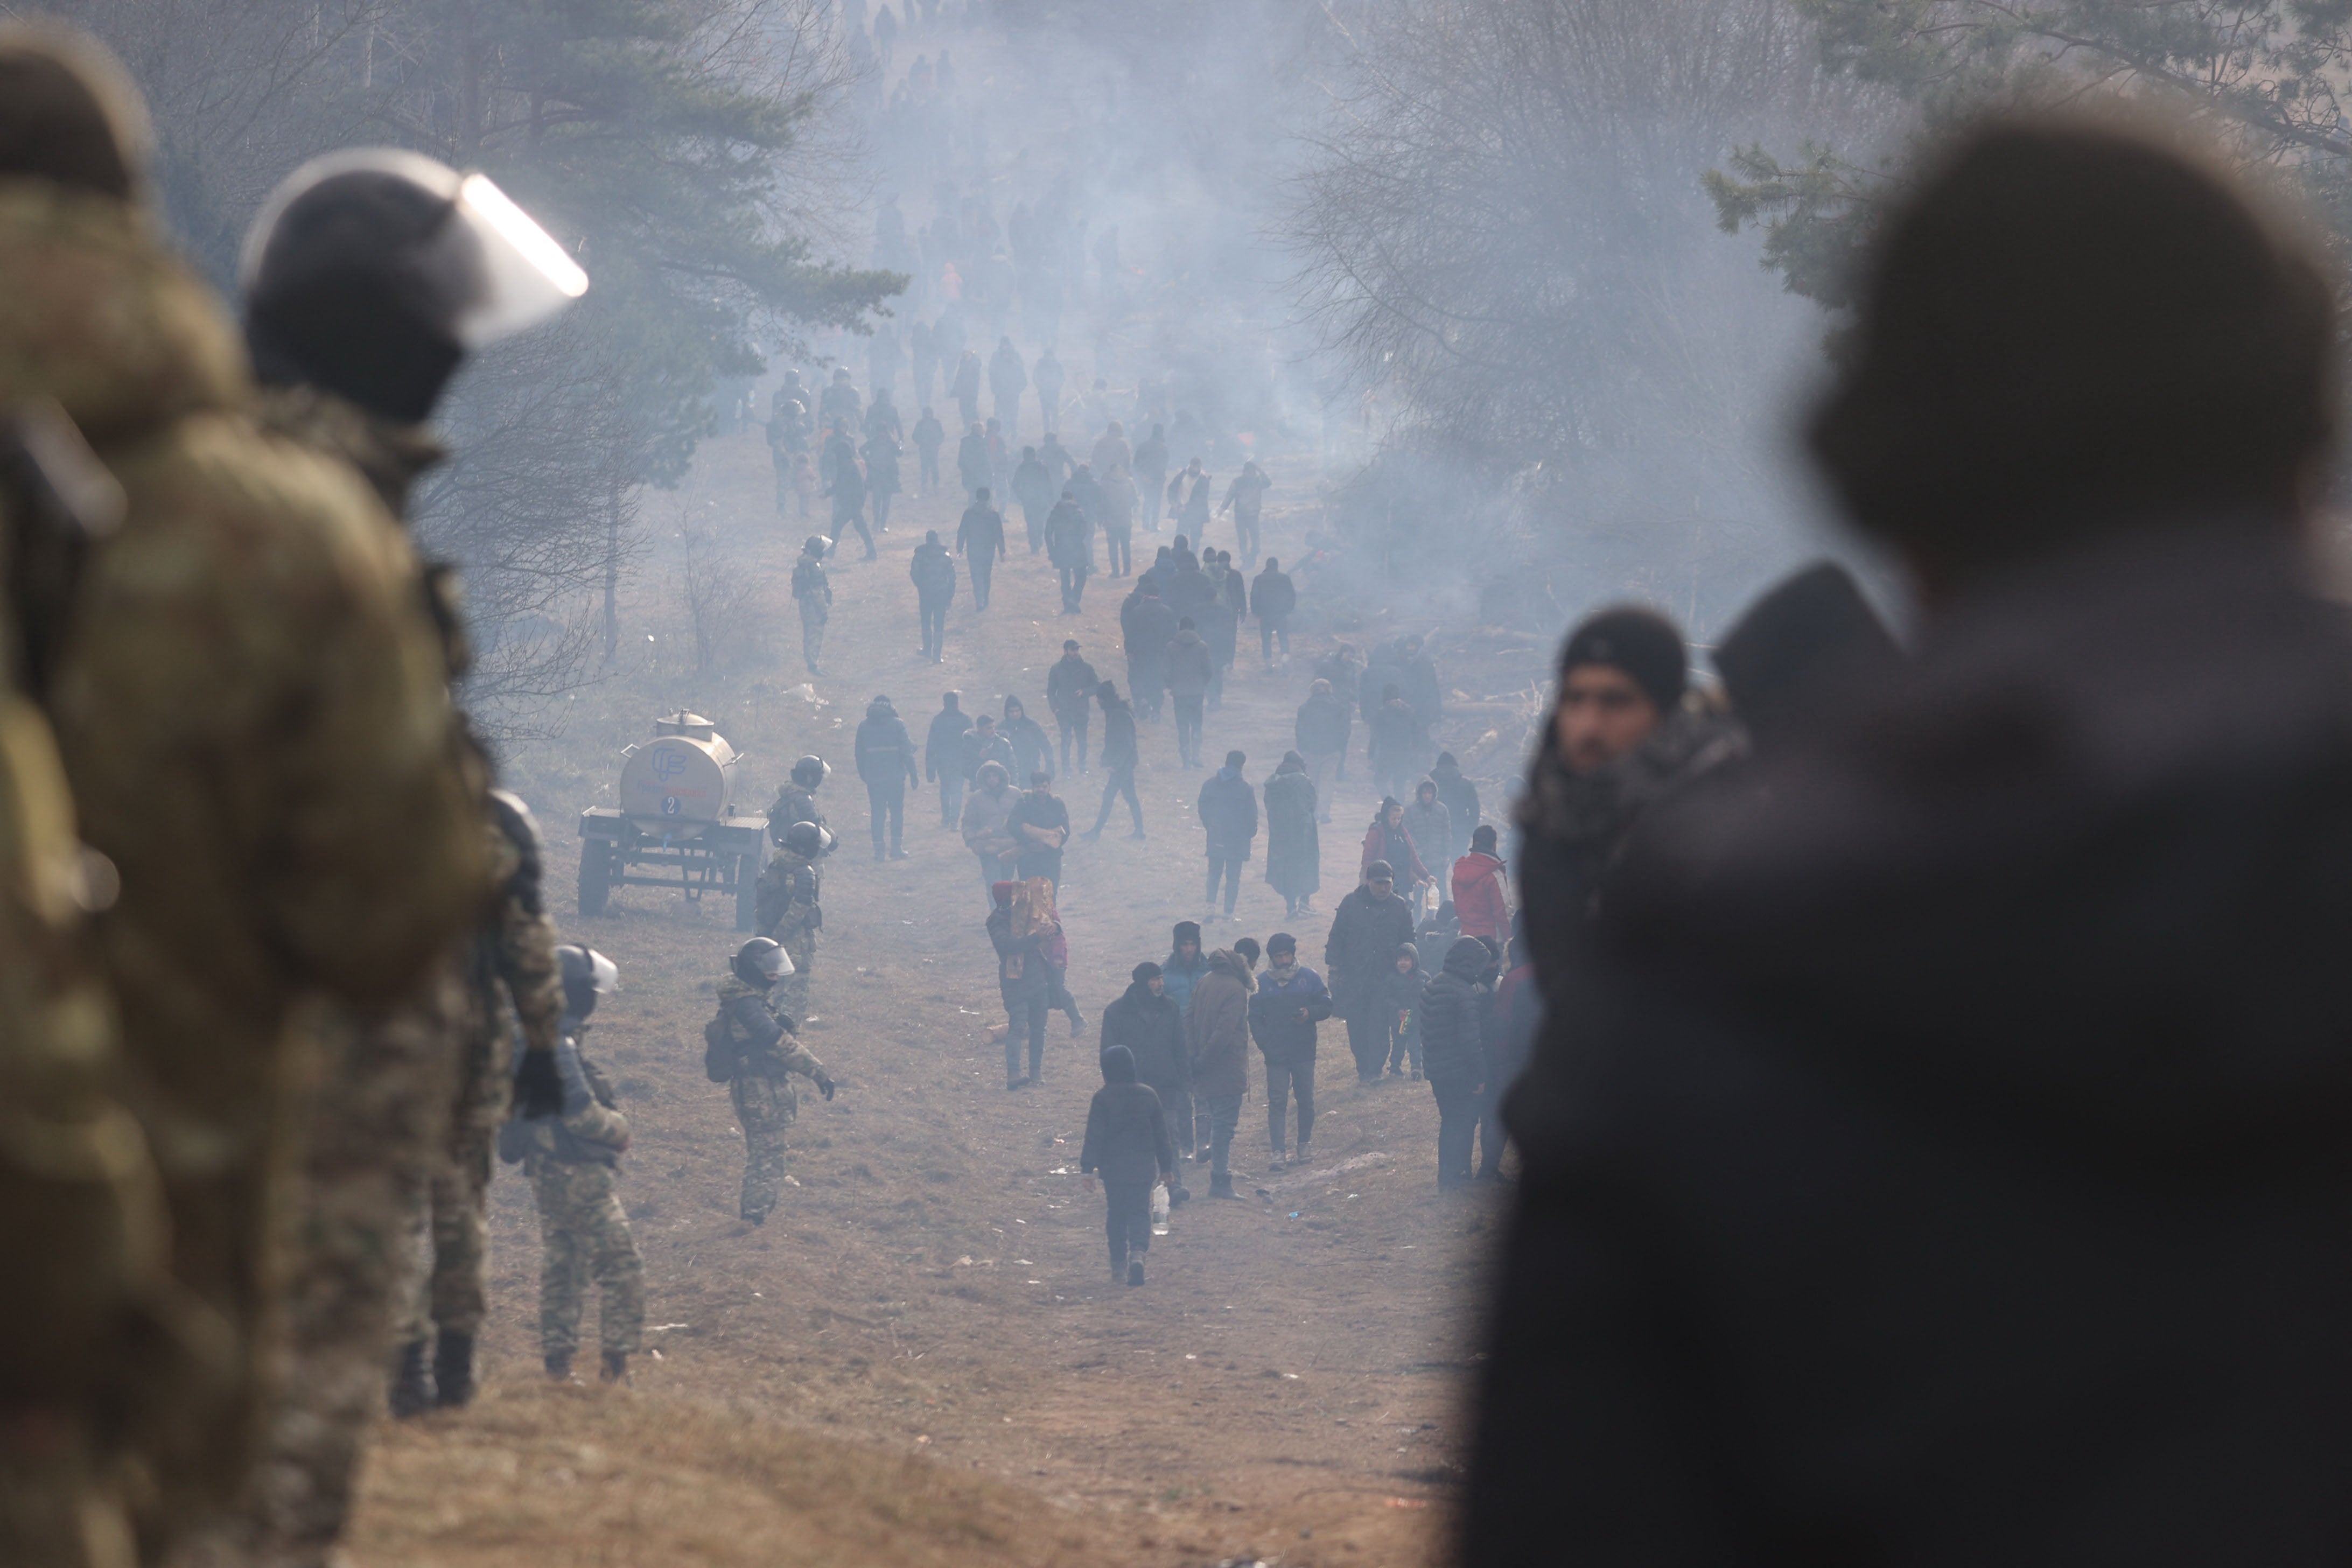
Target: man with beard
point(1942, 1158)
point(1367, 929)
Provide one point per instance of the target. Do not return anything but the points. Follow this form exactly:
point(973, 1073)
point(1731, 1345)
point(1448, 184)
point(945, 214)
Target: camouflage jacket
point(591, 1128)
point(511, 961)
point(794, 803)
point(787, 892)
point(250, 706)
point(764, 1036)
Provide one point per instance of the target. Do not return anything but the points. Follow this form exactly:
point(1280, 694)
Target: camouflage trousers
point(584, 1240)
point(793, 991)
point(764, 1108)
point(378, 1123)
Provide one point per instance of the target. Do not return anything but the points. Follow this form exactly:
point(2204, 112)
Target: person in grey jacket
point(1430, 826)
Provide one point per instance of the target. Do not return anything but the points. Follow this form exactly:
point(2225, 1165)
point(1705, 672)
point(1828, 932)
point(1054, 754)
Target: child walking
point(1401, 990)
point(1127, 1140)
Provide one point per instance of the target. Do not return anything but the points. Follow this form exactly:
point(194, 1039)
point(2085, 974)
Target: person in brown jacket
point(1216, 1036)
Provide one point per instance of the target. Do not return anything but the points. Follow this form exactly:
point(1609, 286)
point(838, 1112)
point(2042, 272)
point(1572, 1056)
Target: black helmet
point(810, 771)
point(372, 272)
point(587, 974)
point(762, 961)
point(804, 838)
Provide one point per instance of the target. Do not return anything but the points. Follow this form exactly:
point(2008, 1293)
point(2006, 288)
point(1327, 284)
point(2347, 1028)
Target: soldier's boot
point(616, 1367)
point(559, 1367)
point(411, 1381)
point(453, 1370)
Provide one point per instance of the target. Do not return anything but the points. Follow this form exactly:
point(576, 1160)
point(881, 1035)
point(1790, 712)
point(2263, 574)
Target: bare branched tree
point(720, 602)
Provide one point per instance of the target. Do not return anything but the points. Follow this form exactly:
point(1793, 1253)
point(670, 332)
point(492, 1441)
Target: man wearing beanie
point(1946, 1163)
point(1147, 1021)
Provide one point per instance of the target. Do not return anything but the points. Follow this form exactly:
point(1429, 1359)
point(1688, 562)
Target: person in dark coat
point(1032, 749)
point(1070, 546)
point(1461, 798)
point(1033, 487)
point(928, 436)
point(1024, 982)
point(1367, 929)
point(1119, 755)
point(1187, 667)
point(1070, 693)
point(1040, 825)
point(882, 481)
point(844, 482)
point(980, 540)
point(1127, 1140)
point(972, 459)
point(966, 389)
point(1227, 812)
point(886, 761)
point(1147, 1022)
point(1397, 747)
point(1272, 599)
point(1949, 1163)
point(932, 571)
point(1183, 968)
point(1294, 845)
point(1220, 627)
point(1457, 1017)
point(1147, 625)
point(1289, 1001)
point(1420, 685)
point(943, 755)
point(1401, 990)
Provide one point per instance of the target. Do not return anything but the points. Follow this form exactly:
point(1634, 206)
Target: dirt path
point(934, 1283)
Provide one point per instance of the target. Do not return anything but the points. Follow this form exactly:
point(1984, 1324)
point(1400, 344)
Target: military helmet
point(811, 772)
point(521, 829)
point(817, 545)
point(373, 271)
point(587, 974)
point(804, 838)
point(762, 959)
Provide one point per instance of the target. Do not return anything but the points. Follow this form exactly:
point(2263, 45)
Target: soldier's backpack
point(718, 1049)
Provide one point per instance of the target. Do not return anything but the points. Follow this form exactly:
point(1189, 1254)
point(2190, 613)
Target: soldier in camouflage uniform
point(399, 1133)
point(571, 1161)
point(751, 1048)
point(250, 708)
point(787, 911)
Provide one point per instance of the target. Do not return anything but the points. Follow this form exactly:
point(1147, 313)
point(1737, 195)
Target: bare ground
point(921, 1357)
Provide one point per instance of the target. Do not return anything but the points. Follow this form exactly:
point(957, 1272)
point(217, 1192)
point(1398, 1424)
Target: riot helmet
point(587, 974)
point(373, 271)
point(806, 838)
point(521, 829)
point(762, 961)
point(811, 772)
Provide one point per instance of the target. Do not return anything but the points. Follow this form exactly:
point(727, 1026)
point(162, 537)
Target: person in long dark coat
point(1293, 849)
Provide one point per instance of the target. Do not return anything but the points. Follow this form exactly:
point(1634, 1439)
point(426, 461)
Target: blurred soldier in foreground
point(370, 275)
point(583, 1234)
point(788, 912)
point(750, 1048)
point(1944, 1157)
point(250, 707)
point(91, 1316)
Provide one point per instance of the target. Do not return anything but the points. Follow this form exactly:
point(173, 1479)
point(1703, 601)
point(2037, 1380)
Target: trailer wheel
point(747, 891)
point(595, 877)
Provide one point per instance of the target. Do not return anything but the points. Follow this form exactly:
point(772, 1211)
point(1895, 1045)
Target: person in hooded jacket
point(886, 761)
point(1032, 749)
point(943, 755)
point(1457, 1018)
point(986, 826)
point(1147, 1022)
point(1119, 755)
point(1290, 1000)
point(1227, 812)
point(1948, 1165)
point(1126, 1139)
point(1216, 1039)
point(932, 571)
point(1294, 845)
point(1367, 929)
point(1323, 721)
point(1431, 827)
point(1024, 983)
point(1461, 798)
point(1481, 894)
point(752, 1046)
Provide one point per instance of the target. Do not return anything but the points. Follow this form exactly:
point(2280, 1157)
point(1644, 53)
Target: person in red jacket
point(1480, 900)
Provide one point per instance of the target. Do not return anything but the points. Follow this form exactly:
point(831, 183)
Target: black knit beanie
point(1641, 642)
